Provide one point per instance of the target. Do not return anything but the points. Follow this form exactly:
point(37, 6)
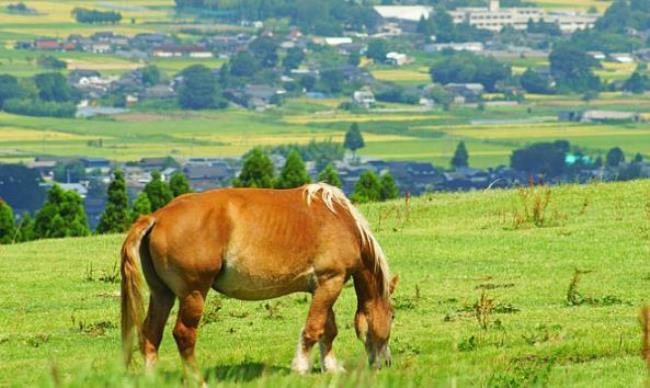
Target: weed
point(88, 275)
point(575, 298)
point(404, 303)
point(534, 201)
point(94, 329)
point(644, 319)
point(212, 309)
point(273, 310)
point(493, 286)
point(37, 340)
point(585, 204)
point(468, 344)
point(526, 372)
point(112, 276)
point(483, 310)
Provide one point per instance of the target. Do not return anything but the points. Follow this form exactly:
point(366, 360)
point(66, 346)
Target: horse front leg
point(328, 362)
point(323, 299)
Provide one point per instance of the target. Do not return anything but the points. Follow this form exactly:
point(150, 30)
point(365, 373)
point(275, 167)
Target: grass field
point(59, 316)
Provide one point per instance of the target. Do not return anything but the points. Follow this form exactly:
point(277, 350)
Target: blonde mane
point(331, 195)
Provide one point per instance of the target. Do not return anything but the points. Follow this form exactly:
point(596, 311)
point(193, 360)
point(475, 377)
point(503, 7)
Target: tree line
point(93, 16)
point(45, 94)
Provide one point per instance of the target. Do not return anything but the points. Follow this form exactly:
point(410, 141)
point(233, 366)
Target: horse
point(255, 244)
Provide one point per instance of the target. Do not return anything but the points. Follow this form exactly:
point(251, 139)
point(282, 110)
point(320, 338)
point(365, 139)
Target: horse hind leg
point(328, 362)
point(322, 301)
point(160, 304)
point(189, 315)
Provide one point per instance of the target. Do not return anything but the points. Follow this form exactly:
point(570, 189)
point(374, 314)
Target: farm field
point(58, 325)
point(396, 133)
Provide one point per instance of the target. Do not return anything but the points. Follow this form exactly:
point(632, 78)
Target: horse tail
point(132, 308)
point(371, 253)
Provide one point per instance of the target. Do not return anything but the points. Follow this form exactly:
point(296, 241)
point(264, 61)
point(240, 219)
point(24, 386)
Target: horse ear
point(393, 283)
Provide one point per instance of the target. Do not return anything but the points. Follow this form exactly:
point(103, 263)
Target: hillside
point(59, 306)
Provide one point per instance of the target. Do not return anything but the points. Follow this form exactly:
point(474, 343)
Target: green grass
point(57, 326)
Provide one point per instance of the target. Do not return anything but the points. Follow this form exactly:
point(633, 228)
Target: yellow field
point(401, 75)
point(9, 134)
point(347, 117)
point(601, 5)
point(542, 130)
point(616, 71)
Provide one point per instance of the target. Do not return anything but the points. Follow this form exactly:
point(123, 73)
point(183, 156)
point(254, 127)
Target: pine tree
point(257, 171)
point(116, 218)
point(367, 189)
point(461, 157)
point(615, 156)
point(26, 228)
point(141, 206)
point(389, 189)
point(7, 223)
point(330, 176)
point(354, 139)
point(62, 215)
point(179, 184)
point(293, 173)
point(158, 192)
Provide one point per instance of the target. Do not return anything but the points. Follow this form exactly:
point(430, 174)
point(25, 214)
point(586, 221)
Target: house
point(600, 116)
point(398, 59)
point(101, 48)
point(47, 44)
point(159, 92)
point(333, 41)
point(364, 98)
point(172, 51)
point(598, 55)
point(621, 57)
point(465, 92)
point(76, 187)
point(96, 164)
point(466, 46)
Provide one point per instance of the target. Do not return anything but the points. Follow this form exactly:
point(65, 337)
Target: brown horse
point(255, 244)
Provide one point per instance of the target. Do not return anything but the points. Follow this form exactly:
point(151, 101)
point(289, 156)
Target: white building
point(494, 17)
point(398, 59)
point(364, 98)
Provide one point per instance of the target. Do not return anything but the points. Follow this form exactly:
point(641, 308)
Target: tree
point(294, 58)
point(53, 87)
point(178, 184)
point(158, 192)
point(198, 89)
point(464, 67)
point(533, 82)
point(332, 80)
point(151, 75)
point(20, 187)
point(615, 156)
point(257, 171)
point(9, 88)
point(377, 50)
point(26, 228)
point(638, 158)
point(265, 51)
point(141, 206)
point(354, 139)
point(330, 176)
point(540, 158)
point(389, 189)
point(116, 217)
point(293, 173)
point(572, 70)
point(637, 83)
point(243, 64)
point(92, 16)
point(367, 189)
point(69, 172)
point(461, 157)
point(7, 223)
point(354, 59)
point(62, 215)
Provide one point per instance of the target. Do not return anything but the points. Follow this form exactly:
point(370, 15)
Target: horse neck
point(367, 286)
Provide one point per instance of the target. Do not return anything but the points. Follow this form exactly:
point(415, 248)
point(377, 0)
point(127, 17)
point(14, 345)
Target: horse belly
point(239, 282)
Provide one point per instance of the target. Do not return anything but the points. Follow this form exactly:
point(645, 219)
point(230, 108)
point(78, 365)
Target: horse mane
point(331, 195)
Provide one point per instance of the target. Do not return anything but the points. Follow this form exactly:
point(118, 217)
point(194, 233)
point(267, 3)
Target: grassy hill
point(59, 305)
